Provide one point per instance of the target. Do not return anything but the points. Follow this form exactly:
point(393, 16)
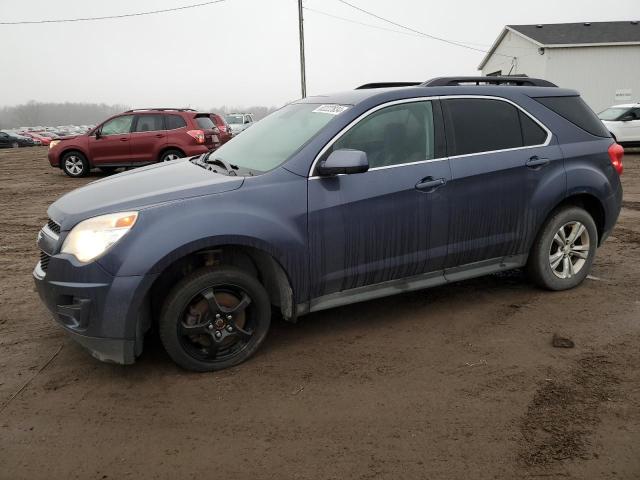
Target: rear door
point(112, 145)
point(500, 158)
point(148, 137)
point(392, 221)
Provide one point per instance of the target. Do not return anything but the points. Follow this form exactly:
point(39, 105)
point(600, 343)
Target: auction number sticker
point(331, 109)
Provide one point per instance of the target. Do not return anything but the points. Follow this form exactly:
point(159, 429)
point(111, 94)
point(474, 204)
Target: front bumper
point(106, 315)
point(53, 158)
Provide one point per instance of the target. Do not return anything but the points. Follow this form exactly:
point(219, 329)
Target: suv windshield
point(613, 113)
point(234, 119)
point(272, 140)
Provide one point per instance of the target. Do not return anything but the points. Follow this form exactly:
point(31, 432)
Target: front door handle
point(536, 162)
point(429, 184)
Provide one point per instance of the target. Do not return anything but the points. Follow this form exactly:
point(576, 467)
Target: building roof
point(556, 35)
point(581, 33)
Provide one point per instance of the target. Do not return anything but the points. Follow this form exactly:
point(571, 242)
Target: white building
point(601, 59)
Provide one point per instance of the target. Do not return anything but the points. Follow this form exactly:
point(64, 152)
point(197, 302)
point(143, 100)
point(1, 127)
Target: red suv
point(134, 138)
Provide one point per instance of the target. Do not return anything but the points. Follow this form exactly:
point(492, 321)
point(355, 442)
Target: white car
point(238, 122)
point(623, 121)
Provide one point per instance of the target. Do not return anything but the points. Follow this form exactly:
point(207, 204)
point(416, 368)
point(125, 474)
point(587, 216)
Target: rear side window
point(577, 112)
point(477, 125)
point(174, 121)
point(149, 123)
point(205, 123)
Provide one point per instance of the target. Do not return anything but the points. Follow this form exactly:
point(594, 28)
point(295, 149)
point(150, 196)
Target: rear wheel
point(75, 164)
point(171, 155)
point(563, 253)
point(214, 318)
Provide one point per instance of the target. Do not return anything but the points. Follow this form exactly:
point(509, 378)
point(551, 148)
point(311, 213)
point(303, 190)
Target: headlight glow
point(92, 237)
point(53, 143)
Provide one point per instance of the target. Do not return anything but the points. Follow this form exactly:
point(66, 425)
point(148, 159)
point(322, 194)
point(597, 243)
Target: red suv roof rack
point(161, 109)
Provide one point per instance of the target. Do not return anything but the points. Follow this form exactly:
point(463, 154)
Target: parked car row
point(10, 139)
point(139, 137)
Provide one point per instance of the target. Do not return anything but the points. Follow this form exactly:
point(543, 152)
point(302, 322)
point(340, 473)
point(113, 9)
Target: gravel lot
point(454, 382)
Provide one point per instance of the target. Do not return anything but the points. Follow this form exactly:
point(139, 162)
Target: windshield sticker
point(331, 109)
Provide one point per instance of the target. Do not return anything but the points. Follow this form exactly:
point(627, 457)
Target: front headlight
point(94, 236)
point(53, 143)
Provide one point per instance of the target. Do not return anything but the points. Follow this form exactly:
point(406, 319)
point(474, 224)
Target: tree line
point(47, 114)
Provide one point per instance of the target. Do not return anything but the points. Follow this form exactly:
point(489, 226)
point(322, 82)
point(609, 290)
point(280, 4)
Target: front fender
point(268, 215)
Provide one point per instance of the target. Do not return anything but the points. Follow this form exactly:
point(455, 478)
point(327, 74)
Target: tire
point(75, 164)
point(15, 145)
point(557, 263)
point(205, 325)
point(170, 155)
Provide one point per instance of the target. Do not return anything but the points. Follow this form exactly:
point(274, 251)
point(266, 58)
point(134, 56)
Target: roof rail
point(161, 109)
point(387, 85)
point(490, 80)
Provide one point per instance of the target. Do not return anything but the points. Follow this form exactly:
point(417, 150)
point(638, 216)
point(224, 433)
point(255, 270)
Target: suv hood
point(137, 189)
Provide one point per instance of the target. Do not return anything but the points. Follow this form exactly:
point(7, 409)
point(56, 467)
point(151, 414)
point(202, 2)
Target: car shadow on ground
point(409, 309)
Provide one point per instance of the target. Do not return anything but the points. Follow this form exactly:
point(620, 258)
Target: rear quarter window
point(575, 110)
point(174, 121)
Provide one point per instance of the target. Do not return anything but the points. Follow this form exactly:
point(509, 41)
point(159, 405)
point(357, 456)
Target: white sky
point(245, 52)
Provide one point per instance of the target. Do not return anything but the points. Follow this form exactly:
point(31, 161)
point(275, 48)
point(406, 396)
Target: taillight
point(223, 128)
point(616, 152)
point(198, 135)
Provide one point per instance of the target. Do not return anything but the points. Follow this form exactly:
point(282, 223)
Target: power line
point(433, 37)
point(109, 17)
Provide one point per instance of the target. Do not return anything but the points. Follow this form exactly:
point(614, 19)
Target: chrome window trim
point(439, 159)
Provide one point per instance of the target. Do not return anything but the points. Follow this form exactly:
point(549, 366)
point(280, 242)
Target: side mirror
point(344, 161)
point(247, 121)
point(97, 133)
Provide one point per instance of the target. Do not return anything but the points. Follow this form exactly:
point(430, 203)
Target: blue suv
point(332, 200)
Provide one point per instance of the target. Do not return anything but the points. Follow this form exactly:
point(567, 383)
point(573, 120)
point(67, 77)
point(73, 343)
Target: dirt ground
point(455, 382)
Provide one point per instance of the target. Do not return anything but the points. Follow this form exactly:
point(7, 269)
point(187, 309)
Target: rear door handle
point(429, 184)
point(536, 161)
point(124, 139)
point(159, 135)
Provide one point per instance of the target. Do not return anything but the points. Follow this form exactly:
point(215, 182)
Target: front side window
point(149, 123)
point(117, 126)
point(394, 135)
point(476, 125)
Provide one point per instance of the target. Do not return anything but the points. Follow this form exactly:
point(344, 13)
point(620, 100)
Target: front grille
point(54, 227)
point(44, 261)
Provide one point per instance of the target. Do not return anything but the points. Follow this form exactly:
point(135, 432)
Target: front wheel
point(214, 318)
point(562, 255)
point(75, 165)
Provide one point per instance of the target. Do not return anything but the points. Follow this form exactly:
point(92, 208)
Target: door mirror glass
point(344, 161)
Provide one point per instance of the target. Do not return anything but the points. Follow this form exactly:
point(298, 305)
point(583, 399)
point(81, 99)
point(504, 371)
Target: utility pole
point(303, 75)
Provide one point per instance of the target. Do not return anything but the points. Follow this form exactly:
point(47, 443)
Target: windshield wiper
point(231, 169)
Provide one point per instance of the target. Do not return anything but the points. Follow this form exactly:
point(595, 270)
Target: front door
point(500, 157)
point(112, 143)
point(392, 221)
